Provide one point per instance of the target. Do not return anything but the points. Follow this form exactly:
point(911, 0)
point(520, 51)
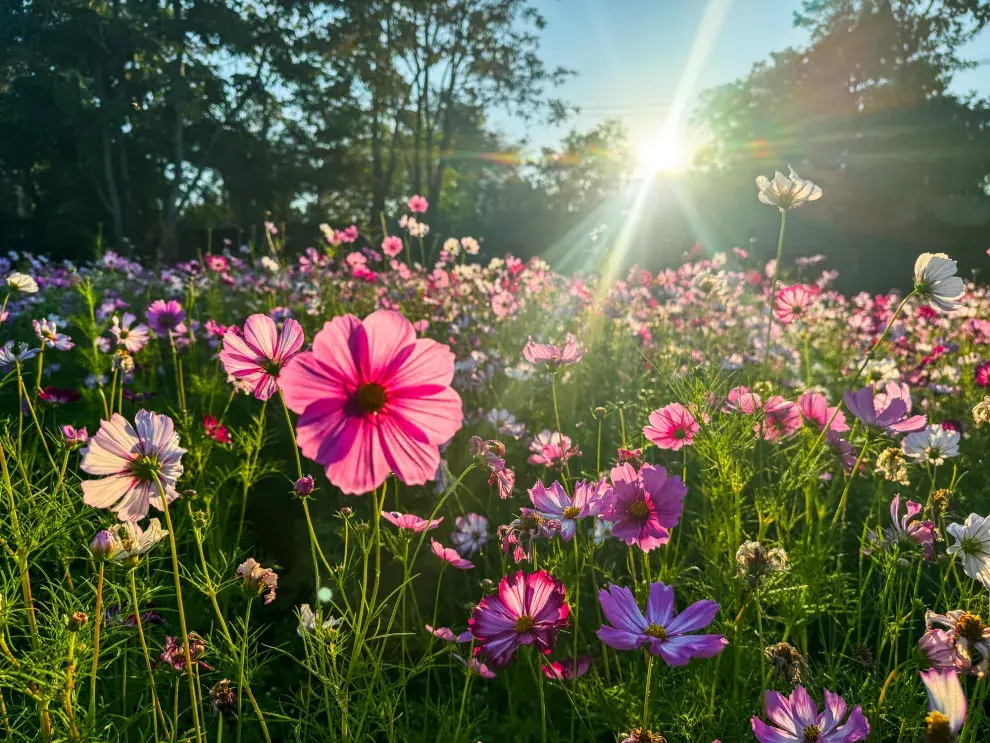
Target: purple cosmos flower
point(885, 411)
point(471, 534)
point(450, 556)
point(130, 458)
point(666, 634)
point(552, 356)
point(555, 503)
point(528, 610)
point(643, 506)
point(796, 718)
point(73, 436)
point(166, 316)
point(409, 521)
point(903, 529)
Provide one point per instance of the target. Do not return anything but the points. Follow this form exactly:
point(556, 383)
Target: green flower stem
point(97, 624)
point(144, 650)
point(34, 418)
point(773, 283)
point(182, 614)
point(646, 694)
point(240, 663)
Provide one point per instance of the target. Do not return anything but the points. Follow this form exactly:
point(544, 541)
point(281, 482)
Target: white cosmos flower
point(22, 283)
point(946, 698)
point(935, 279)
point(935, 444)
point(308, 620)
point(972, 545)
point(134, 540)
point(787, 191)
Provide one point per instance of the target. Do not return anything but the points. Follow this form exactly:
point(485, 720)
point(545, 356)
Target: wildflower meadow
point(387, 490)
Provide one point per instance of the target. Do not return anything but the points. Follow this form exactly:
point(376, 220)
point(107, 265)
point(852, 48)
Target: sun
point(670, 154)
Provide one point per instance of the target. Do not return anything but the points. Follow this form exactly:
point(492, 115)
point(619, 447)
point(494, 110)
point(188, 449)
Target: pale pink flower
point(410, 521)
point(392, 246)
point(417, 204)
point(450, 556)
point(130, 458)
point(373, 399)
point(552, 356)
point(814, 408)
point(132, 339)
point(551, 449)
point(794, 301)
point(257, 356)
point(672, 427)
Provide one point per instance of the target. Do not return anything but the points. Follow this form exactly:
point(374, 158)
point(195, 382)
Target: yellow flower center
point(571, 512)
point(811, 733)
point(937, 728)
point(639, 509)
point(970, 627)
point(524, 624)
point(655, 630)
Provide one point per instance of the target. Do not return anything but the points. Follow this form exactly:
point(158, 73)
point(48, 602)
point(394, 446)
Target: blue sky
point(630, 56)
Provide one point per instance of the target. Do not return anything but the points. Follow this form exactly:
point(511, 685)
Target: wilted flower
point(78, 620)
point(309, 621)
point(22, 282)
point(660, 630)
point(174, 656)
point(905, 531)
point(797, 718)
point(528, 610)
point(981, 411)
point(130, 541)
point(786, 191)
point(935, 444)
point(573, 669)
point(133, 463)
point(256, 580)
point(957, 639)
point(787, 662)
point(223, 698)
point(756, 562)
point(490, 455)
point(972, 545)
point(892, 465)
point(935, 279)
point(642, 735)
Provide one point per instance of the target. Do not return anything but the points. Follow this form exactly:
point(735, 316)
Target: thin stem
point(646, 694)
point(98, 619)
point(240, 665)
point(773, 283)
point(144, 651)
point(182, 614)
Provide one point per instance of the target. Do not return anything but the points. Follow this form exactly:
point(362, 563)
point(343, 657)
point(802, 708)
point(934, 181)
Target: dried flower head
point(77, 621)
point(940, 501)
point(223, 698)
point(893, 466)
point(981, 412)
point(642, 735)
point(756, 562)
point(787, 662)
point(256, 580)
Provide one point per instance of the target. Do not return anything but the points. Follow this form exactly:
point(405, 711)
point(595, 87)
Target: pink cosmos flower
point(982, 374)
point(174, 654)
point(166, 316)
point(410, 521)
point(903, 528)
point(132, 339)
point(528, 610)
point(450, 556)
point(671, 427)
point(957, 639)
point(643, 506)
point(794, 301)
point(742, 400)
point(555, 503)
point(796, 718)
point(814, 409)
point(216, 430)
point(259, 354)
point(47, 333)
point(217, 263)
point(551, 449)
point(373, 399)
point(447, 635)
point(392, 246)
point(553, 357)
point(73, 436)
point(664, 633)
point(58, 395)
point(781, 419)
point(888, 411)
point(417, 204)
point(130, 458)
point(573, 669)
point(471, 534)
point(475, 666)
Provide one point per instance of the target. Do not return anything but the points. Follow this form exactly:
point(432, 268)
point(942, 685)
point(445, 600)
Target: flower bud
point(104, 544)
point(362, 527)
point(77, 621)
point(346, 512)
point(303, 486)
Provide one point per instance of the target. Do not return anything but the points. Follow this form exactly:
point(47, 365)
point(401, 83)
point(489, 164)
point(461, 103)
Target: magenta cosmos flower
point(409, 521)
point(528, 610)
point(392, 246)
point(166, 316)
point(129, 458)
point(665, 634)
point(418, 204)
point(450, 556)
point(373, 399)
point(257, 356)
point(554, 503)
point(672, 427)
point(643, 506)
point(573, 669)
point(796, 719)
point(814, 409)
point(553, 357)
